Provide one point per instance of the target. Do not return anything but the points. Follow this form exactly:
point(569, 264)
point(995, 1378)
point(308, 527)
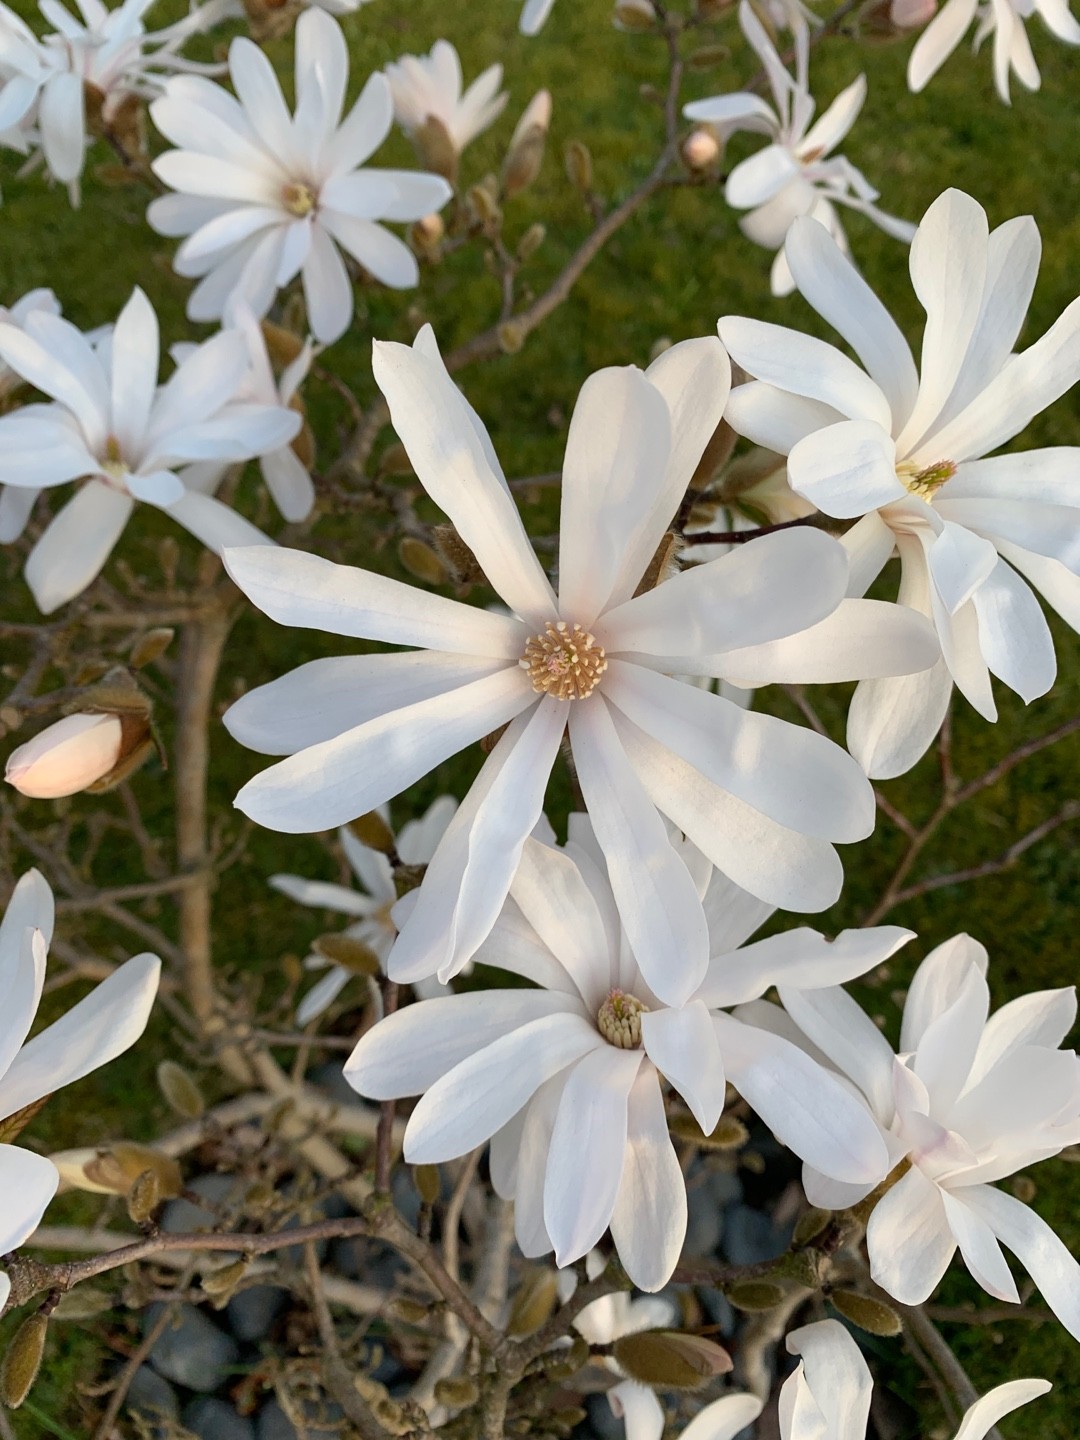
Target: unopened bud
point(283, 346)
point(712, 9)
point(634, 15)
point(531, 241)
point(66, 757)
point(426, 236)
point(526, 151)
point(373, 831)
point(707, 57)
point(115, 1170)
point(809, 1225)
point(534, 1302)
point(22, 1360)
point(579, 166)
point(144, 1197)
point(180, 1090)
point(436, 148)
point(221, 1284)
point(460, 560)
point(149, 646)
point(348, 952)
point(873, 1316)
point(413, 1312)
point(909, 14)
point(428, 1182)
point(730, 1132)
point(484, 201)
point(420, 560)
point(393, 1418)
point(700, 150)
point(457, 1393)
point(668, 1360)
point(512, 337)
point(754, 1295)
point(85, 1302)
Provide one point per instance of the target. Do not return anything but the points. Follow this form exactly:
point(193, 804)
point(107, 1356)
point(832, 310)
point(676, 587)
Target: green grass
point(671, 272)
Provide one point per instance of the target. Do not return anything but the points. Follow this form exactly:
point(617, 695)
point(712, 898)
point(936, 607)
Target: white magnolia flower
point(828, 1394)
point(106, 58)
point(429, 87)
point(764, 799)
point(264, 196)
point(797, 173)
point(373, 904)
point(93, 1032)
point(66, 757)
point(534, 13)
point(567, 1080)
point(968, 1101)
point(906, 453)
point(1004, 21)
point(286, 476)
point(111, 426)
point(16, 502)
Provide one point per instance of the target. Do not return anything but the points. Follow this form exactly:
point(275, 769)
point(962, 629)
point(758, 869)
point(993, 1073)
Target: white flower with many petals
point(264, 196)
point(372, 905)
point(112, 427)
point(797, 173)
point(906, 452)
point(16, 502)
point(93, 1032)
point(968, 1101)
point(428, 88)
point(567, 1080)
point(764, 799)
point(104, 60)
point(1001, 19)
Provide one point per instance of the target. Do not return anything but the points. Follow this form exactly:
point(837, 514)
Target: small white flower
point(112, 427)
point(372, 905)
point(93, 1032)
point(66, 757)
point(567, 1080)
point(108, 56)
point(797, 173)
point(763, 798)
point(429, 87)
point(905, 451)
point(264, 195)
point(968, 1101)
point(1002, 19)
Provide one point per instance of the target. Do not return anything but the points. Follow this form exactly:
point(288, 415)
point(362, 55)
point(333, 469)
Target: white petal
point(215, 524)
point(76, 544)
point(27, 1183)
point(947, 1046)
point(639, 1408)
point(22, 977)
point(846, 469)
point(554, 899)
point(648, 1224)
point(724, 1419)
point(1037, 1248)
point(937, 984)
point(837, 1376)
point(909, 1240)
point(869, 544)
point(893, 722)
point(1042, 1018)
point(938, 41)
point(801, 958)
point(1013, 634)
point(135, 345)
point(979, 1249)
point(861, 639)
point(980, 1418)
point(759, 178)
point(327, 289)
point(588, 1143)
point(775, 418)
point(380, 252)
point(682, 1044)
point(322, 995)
point(295, 588)
point(842, 1031)
point(62, 124)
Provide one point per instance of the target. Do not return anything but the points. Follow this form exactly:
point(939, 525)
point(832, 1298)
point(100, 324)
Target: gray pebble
point(212, 1419)
point(252, 1312)
point(152, 1396)
point(191, 1350)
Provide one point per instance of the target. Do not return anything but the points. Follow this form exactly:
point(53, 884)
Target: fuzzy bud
point(511, 337)
point(755, 1295)
point(809, 1226)
point(668, 1360)
point(144, 1197)
point(150, 646)
point(373, 831)
point(113, 1171)
point(22, 1360)
point(700, 150)
point(66, 757)
point(634, 15)
point(180, 1090)
point(348, 952)
point(730, 1132)
point(873, 1316)
point(457, 1393)
point(428, 1182)
point(436, 148)
point(531, 241)
point(579, 166)
point(534, 1302)
point(85, 1302)
point(221, 1284)
point(421, 561)
point(526, 151)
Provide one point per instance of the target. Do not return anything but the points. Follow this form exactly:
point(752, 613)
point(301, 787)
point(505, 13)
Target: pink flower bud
point(700, 150)
point(908, 14)
point(66, 757)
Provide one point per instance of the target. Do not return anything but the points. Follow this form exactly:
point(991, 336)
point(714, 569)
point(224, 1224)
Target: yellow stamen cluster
point(298, 198)
point(564, 661)
point(926, 481)
point(619, 1020)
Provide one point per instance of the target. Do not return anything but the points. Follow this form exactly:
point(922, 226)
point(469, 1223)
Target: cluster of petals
point(67, 756)
point(264, 196)
point(93, 1032)
point(906, 451)
point(765, 800)
point(104, 58)
point(796, 174)
point(110, 426)
point(567, 1080)
point(429, 87)
point(371, 905)
point(1003, 22)
point(969, 1100)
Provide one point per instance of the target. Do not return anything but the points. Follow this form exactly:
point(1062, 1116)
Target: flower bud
point(428, 1182)
point(22, 1360)
point(873, 1316)
point(634, 15)
point(150, 646)
point(668, 1360)
point(534, 1302)
point(526, 151)
point(754, 1295)
point(373, 831)
point(700, 150)
point(809, 1225)
point(420, 561)
point(436, 148)
point(348, 952)
point(909, 14)
point(180, 1090)
point(144, 1197)
point(66, 757)
point(457, 1393)
point(579, 166)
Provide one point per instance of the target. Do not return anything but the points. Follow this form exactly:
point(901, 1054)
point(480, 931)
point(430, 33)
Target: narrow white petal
point(909, 1240)
point(648, 1224)
point(682, 1044)
point(1037, 1248)
point(981, 1417)
point(27, 1183)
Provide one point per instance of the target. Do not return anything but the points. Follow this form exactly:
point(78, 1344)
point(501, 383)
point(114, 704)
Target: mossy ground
point(671, 272)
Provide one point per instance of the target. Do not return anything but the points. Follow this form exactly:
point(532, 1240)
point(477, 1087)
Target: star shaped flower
point(765, 800)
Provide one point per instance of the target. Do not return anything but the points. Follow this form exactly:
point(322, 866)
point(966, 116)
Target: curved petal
point(837, 1376)
point(76, 544)
point(892, 722)
point(981, 1417)
point(979, 1249)
point(27, 1183)
point(909, 1240)
point(801, 958)
point(648, 1223)
point(682, 1044)
point(840, 1029)
point(846, 469)
point(1037, 1248)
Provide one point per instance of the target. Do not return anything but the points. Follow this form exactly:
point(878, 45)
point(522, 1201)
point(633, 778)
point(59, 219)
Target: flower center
point(564, 661)
point(619, 1020)
point(926, 481)
point(112, 463)
point(298, 198)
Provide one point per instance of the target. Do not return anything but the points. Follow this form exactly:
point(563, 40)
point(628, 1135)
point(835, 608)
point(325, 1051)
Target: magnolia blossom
point(533, 15)
point(105, 61)
point(66, 757)
point(1001, 19)
point(796, 174)
point(110, 425)
point(428, 88)
point(968, 1101)
point(93, 1032)
point(265, 195)
point(763, 799)
point(16, 502)
point(373, 904)
point(567, 1080)
point(906, 453)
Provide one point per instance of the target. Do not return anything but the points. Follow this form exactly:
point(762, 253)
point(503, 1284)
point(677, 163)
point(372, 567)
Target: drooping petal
point(724, 1419)
point(837, 1376)
point(938, 41)
point(648, 1223)
point(682, 1044)
point(76, 544)
point(841, 1030)
point(909, 1240)
point(979, 1248)
point(981, 1417)
point(1037, 1248)
point(639, 1409)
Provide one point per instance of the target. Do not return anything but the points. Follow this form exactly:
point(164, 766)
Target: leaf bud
point(809, 1225)
point(348, 952)
point(457, 1393)
point(22, 1360)
point(634, 15)
point(392, 1417)
point(180, 1090)
point(755, 1295)
point(579, 166)
point(707, 57)
point(668, 1360)
point(526, 150)
point(428, 1182)
point(460, 560)
point(531, 241)
point(149, 647)
point(413, 1312)
point(873, 1316)
point(116, 1169)
point(709, 10)
point(729, 1134)
point(421, 561)
point(512, 337)
point(221, 1284)
point(485, 206)
point(144, 1197)
point(534, 1301)
point(85, 1302)
point(566, 1361)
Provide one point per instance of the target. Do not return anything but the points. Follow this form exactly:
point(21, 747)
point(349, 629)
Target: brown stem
point(931, 1340)
point(338, 1377)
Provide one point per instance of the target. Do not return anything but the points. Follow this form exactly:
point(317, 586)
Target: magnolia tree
point(572, 1027)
